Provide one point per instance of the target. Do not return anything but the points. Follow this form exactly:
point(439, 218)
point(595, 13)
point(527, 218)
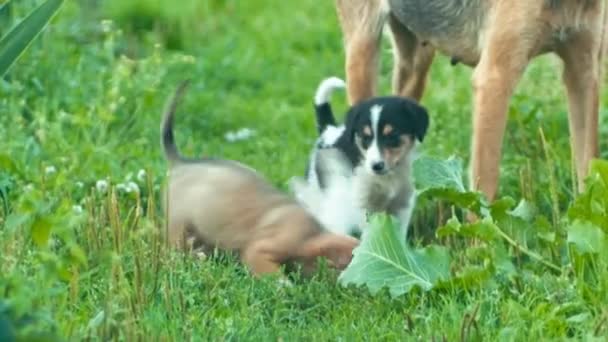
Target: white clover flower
point(188, 59)
point(50, 170)
point(106, 25)
point(54, 243)
point(101, 186)
point(113, 106)
point(141, 175)
point(241, 134)
point(121, 187)
point(132, 187)
point(77, 209)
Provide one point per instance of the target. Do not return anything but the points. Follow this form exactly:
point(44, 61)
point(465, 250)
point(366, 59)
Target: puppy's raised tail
point(166, 127)
point(324, 114)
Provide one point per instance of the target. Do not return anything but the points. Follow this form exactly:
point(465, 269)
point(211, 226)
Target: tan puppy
point(498, 38)
point(224, 204)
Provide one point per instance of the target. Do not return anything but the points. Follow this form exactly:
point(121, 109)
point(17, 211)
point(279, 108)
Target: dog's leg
point(405, 216)
point(411, 61)
point(361, 22)
point(581, 77)
point(259, 260)
point(503, 60)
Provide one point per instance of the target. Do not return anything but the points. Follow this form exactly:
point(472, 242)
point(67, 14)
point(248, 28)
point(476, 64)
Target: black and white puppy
point(363, 166)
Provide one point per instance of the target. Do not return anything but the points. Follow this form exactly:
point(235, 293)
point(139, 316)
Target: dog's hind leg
point(361, 22)
point(412, 60)
point(582, 78)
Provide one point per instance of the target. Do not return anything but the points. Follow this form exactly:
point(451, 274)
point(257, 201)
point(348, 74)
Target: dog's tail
point(166, 128)
point(325, 116)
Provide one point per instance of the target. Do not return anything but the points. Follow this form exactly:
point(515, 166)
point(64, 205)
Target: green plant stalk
point(527, 251)
point(553, 187)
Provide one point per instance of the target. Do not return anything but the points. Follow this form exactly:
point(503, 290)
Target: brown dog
point(498, 38)
point(224, 204)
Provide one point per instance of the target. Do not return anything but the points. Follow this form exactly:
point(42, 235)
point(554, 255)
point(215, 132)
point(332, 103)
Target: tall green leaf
point(19, 38)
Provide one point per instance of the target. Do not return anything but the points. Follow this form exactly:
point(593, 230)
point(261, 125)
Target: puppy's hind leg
point(412, 60)
point(361, 22)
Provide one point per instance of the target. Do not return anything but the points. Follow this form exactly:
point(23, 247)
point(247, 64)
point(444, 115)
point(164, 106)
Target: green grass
point(86, 98)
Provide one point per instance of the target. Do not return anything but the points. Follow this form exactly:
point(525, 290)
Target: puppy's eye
point(366, 140)
point(392, 140)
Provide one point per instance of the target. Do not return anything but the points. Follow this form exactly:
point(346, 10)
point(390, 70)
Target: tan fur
point(393, 156)
point(498, 38)
point(226, 205)
point(387, 129)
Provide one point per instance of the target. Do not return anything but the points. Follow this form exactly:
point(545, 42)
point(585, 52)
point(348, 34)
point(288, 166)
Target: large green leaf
point(430, 172)
point(442, 179)
point(587, 238)
point(384, 260)
point(41, 231)
point(18, 39)
point(592, 205)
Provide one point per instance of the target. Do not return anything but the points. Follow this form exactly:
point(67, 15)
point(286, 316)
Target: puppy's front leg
point(405, 215)
point(503, 60)
point(259, 259)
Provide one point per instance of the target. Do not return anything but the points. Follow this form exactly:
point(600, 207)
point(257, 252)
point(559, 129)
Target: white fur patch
point(372, 155)
point(331, 134)
point(326, 88)
point(335, 206)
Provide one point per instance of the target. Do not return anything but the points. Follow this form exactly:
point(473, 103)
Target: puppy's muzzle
point(379, 167)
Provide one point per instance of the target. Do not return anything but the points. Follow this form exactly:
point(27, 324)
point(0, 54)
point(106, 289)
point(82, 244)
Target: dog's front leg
point(361, 22)
point(503, 60)
point(259, 259)
point(405, 216)
point(581, 77)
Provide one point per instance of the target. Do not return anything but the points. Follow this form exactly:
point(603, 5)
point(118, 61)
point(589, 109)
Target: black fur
point(325, 117)
point(405, 115)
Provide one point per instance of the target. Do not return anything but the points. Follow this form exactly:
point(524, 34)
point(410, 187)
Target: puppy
point(367, 161)
point(215, 203)
point(499, 39)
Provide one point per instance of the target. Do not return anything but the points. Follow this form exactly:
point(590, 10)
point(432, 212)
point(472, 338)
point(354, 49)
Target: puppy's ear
point(419, 118)
point(338, 249)
point(350, 124)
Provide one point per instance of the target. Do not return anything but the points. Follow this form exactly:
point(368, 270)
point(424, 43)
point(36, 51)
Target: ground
point(81, 109)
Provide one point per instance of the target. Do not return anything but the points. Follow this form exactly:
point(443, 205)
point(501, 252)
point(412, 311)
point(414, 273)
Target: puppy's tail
point(166, 128)
point(324, 114)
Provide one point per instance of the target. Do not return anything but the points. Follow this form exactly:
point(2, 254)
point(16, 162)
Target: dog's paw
point(284, 282)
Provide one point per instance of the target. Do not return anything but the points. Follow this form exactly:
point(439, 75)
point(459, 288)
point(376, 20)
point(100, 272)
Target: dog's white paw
point(284, 282)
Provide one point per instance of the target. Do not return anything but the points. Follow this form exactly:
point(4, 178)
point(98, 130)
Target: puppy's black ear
point(350, 124)
point(420, 119)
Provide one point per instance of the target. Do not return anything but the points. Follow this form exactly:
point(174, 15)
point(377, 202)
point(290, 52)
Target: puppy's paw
point(284, 282)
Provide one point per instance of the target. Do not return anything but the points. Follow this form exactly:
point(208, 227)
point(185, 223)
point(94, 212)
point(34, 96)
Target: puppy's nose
point(378, 166)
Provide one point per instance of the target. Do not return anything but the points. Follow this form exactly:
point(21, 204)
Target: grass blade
point(18, 39)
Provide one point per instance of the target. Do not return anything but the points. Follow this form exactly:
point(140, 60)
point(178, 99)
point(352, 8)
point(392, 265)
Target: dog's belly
point(456, 27)
point(451, 26)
